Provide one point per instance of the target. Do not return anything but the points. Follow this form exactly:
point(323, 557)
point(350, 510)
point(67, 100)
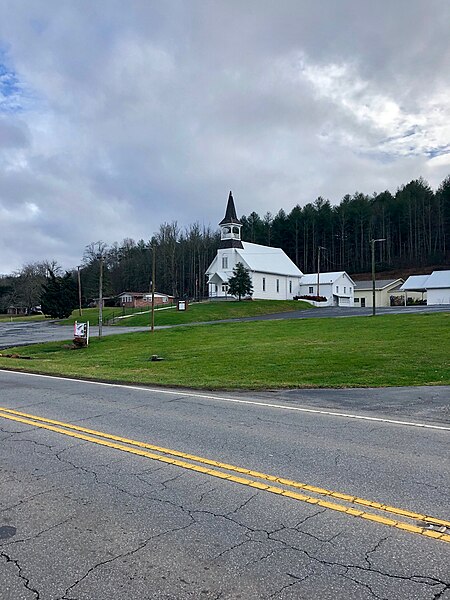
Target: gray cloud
point(129, 115)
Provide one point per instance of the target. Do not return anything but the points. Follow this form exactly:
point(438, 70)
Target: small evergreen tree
point(59, 297)
point(240, 283)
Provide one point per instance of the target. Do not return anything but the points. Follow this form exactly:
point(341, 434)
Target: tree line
point(414, 222)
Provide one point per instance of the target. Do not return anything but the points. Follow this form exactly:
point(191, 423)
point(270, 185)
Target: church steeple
point(230, 214)
point(230, 227)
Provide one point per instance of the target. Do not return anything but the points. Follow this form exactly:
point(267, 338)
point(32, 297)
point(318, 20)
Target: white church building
point(274, 276)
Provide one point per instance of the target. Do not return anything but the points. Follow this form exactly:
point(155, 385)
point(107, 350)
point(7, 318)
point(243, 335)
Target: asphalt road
point(35, 332)
point(89, 518)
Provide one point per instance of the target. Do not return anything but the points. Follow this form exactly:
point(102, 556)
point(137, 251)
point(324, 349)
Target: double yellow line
point(428, 526)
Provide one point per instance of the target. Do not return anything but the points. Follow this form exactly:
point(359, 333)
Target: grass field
point(196, 313)
point(391, 350)
point(91, 315)
point(20, 318)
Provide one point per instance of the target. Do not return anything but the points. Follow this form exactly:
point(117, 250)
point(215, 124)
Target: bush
point(313, 298)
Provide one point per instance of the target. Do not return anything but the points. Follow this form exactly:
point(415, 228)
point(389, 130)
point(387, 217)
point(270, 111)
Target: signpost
point(81, 334)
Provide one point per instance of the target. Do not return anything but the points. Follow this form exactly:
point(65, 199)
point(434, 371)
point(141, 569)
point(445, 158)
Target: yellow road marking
point(86, 435)
point(281, 480)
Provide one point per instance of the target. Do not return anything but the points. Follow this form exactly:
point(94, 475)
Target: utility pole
point(100, 299)
point(372, 242)
point(318, 270)
point(80, 310)
point(153, 287)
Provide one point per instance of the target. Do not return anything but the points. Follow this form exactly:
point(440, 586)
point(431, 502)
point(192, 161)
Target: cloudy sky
point(116, 116)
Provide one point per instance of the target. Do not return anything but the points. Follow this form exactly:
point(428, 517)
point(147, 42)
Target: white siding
point(438, 296)
point(270, 292)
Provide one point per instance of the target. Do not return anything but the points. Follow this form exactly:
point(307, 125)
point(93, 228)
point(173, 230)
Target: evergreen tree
point(59, 297)
point(240, 283)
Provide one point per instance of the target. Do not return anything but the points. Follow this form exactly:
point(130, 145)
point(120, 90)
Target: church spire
point(230, 214)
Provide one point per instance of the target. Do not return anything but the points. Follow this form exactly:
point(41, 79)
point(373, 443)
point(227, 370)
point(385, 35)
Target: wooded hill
point(415, 222)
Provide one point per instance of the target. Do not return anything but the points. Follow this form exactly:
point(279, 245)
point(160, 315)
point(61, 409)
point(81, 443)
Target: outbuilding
point(337, 286)
point(436, 286)
point(384, 289)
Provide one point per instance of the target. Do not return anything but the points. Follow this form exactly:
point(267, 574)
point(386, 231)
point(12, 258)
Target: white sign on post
point(81, 331)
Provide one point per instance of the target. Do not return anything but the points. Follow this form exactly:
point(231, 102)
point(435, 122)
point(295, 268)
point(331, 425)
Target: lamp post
point(100, 298)
point(318, 270)
point(153, 288)
point(80, 310)
point(372, 243)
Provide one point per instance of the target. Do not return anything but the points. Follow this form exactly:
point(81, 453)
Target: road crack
point(26, 581)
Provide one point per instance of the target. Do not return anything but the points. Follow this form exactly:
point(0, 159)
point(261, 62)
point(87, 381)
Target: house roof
point(380, 284)
point(140, 294)
point(415, 283)
point(421, 283)
point(266, 259)
point(330, 277)
point(157, 295)
point(438, 279)
point(230, 213)
point(134, 294)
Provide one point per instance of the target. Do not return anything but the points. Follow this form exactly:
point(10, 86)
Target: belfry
point(230, 227)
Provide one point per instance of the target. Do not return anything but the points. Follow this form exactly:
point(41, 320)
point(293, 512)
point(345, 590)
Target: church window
point(290, 287)
point(224, 262)
point(263, 284)
point(278, 286)
point(311, 289)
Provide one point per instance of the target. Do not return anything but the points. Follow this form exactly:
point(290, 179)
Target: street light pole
point(100, 299)
point(372, 243)
point(318, 270)
point(153, 287)
point(80, 310)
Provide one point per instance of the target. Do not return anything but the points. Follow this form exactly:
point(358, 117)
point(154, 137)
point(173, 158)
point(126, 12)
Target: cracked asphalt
point(79, 521)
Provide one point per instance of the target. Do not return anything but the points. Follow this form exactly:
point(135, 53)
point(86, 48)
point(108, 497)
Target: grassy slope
point(390, 350)
point(20, 318)
point(196, 313)
point(91, 315)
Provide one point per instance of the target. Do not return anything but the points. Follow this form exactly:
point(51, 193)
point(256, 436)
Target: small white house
point(274, 276)
point(384, 289)
point(337, 286)
point(436, 286)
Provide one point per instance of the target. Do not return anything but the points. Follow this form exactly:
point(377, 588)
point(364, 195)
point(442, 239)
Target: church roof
point(266, 259)
point(230, 213)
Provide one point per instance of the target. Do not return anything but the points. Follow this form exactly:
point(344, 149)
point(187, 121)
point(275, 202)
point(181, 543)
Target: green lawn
point(196, 313)
point(21, 318)
point(91, 315)
point(391, 350)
